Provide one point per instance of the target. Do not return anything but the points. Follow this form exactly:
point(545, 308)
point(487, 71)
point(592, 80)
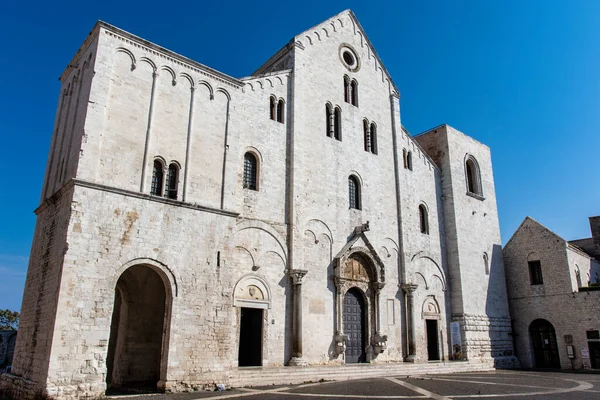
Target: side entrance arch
point(543, 341)
point(135, 349)
point(253, 298)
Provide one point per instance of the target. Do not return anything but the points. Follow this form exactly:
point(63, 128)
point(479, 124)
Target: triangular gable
point(359, 234)
point(529, 220)
point(320, 32)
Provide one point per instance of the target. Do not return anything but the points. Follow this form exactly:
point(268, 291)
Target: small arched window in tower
point(354, 192)
point(354, 92)
point(423, 220)
point(272, 108)
point(328, 120)
point(250, 171)
point(157, 179)
point(172, 178)
point(473, 177)
point(373, 138)
point(408, 159)
point(486, 263)
point(346, 89)
point(366, 135)
point(337, 124)
point(280, 110)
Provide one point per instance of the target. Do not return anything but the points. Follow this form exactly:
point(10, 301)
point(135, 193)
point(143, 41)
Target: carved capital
point(339, 282)
point(297, 275)
point(409, 288)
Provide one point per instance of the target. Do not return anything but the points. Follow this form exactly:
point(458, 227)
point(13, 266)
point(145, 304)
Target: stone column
point(379, 340)
point(409, 289)
point(297, 275)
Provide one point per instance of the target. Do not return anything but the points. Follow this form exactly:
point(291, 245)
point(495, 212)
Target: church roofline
point(143, 42)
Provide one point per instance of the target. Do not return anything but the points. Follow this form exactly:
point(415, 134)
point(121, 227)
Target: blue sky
point(521, 76)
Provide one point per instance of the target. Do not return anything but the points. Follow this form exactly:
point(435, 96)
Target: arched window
point(337, 123)
point(354, 92)
point(157, 179)
point(346, 89)
point(250, 171)
point(472, 176)
point(272, 107)
point(366, 134)
point(328, 120)
point(408, 160)
point(423, 220)
point(486, 263)
point(172, 178)
point(280, 110)
point(354, 192)
point(373, 138)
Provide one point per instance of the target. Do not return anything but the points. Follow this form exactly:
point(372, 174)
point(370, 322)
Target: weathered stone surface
point(220, 248)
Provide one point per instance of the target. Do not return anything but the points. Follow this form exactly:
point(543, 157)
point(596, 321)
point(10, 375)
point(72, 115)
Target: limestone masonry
point(192, 223)
point(554, 296)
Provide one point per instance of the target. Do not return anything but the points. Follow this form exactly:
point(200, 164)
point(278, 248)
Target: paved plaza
point(514, 385)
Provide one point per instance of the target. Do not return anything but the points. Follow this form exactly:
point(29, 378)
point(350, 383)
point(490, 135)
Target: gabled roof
point(530, 220)
point(320, 29)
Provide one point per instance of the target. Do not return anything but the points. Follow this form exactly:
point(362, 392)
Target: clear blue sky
point(521, 76)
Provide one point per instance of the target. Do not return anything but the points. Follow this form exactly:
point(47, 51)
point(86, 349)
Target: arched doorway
point(543, 340)
point(354, 326)
point(136, 331)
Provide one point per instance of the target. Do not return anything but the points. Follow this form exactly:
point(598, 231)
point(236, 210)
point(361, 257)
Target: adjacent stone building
point(192, 223)
point(554, 297)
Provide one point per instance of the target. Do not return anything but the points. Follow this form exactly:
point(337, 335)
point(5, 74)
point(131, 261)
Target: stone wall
point(219, 247)
point(558, 300)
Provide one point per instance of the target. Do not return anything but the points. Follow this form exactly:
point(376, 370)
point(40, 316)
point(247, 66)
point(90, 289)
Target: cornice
point(167, 54)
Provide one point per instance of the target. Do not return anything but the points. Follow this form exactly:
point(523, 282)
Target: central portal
point(354, 326)
point(251, 327)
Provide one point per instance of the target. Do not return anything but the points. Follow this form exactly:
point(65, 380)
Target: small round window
point(349, 58)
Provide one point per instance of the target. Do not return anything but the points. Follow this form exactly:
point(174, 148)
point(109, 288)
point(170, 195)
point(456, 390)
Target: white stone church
point(192, 223)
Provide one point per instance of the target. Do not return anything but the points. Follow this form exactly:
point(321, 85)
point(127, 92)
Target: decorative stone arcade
point(359, 269)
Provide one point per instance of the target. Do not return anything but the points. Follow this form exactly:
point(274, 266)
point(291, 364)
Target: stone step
point(293, 375)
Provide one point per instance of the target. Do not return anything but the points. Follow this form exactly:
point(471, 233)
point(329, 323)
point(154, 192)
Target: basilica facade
point(192, 223)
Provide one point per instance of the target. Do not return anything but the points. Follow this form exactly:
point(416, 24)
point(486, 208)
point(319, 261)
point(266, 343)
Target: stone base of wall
point(20, 388)
point(487, 339)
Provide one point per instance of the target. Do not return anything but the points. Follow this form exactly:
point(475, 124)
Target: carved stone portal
point(361, 268)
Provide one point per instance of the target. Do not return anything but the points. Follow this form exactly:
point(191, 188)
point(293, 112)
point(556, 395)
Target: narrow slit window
point(354, 92)
point(280, 110)
point(328, 120)
point(486, 263)
point(423, 220)
point(409, 160)
point(373, 135)
point(337, 124)
point(367, 136)
point(157, 179)
point(172, 179)
point(272, 108)
point(250, 171)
